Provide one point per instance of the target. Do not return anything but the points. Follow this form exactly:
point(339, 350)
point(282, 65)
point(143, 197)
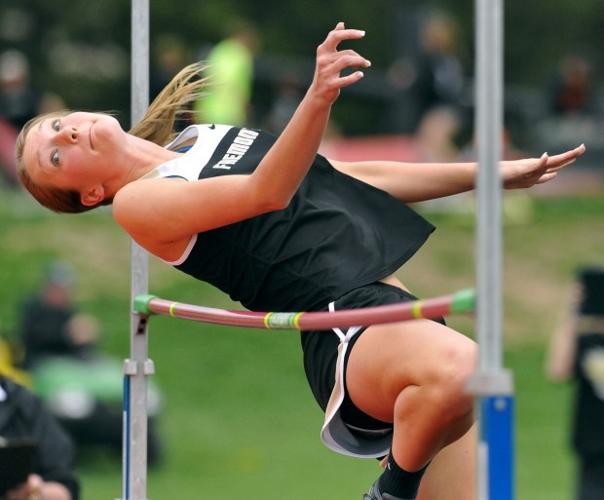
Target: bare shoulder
point(136, 208)
point(135, 204)
point(126, 202)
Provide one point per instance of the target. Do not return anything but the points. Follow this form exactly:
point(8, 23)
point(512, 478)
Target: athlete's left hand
point(528, 172)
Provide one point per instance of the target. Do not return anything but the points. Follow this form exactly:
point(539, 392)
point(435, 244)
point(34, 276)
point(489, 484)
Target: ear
point(92, 196)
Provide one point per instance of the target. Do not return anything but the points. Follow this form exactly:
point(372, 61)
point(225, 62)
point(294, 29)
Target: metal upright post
point(138, 366)
point(491, 383)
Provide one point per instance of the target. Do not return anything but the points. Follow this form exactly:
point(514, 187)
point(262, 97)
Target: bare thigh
point(388, 358)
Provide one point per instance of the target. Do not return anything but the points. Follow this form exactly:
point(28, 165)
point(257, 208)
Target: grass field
point(238, 420)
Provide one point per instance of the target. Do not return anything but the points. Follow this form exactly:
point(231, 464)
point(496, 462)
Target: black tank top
point(336, 234)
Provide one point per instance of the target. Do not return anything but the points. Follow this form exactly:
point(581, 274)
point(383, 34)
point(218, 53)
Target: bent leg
point(452, 473)
point(413, 374)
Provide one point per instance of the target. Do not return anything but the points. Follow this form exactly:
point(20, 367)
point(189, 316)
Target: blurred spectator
point(81, 386)
point(171, 56)
point(23, 417)
point(231, 72)
point(439, 71)
point(436, 135)
point(18, 103)
point(8, 162)
point(285, 102)
point(19, 100)
point(49, 103)
point(433, 78)
point(49, 324)
point(577, 353)
point(402, 112)
point(7, 364)
point(571, 90)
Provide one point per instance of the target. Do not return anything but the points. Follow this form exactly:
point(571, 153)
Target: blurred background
point(232, 416)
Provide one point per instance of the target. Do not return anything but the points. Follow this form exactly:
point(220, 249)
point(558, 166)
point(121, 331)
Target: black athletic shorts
point(320, 351)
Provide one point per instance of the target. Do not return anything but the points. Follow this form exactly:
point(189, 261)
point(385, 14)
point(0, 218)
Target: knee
point(446, 387)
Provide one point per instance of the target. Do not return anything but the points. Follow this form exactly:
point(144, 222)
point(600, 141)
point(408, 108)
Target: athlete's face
point(74, 151)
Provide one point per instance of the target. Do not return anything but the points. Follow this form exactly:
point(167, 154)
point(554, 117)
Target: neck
point(141, 157)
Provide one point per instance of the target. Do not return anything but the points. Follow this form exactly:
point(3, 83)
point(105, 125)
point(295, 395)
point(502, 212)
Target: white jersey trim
point(190, 164)
point(185, 254)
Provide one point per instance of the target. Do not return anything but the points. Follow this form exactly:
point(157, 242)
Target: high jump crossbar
point(456, 303)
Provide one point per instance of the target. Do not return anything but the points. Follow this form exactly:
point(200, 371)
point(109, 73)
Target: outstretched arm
point(413, 182)
point(184, 208)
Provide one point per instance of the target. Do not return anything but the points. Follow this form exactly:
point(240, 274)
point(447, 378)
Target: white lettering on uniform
point(243, 141)
point(236, 150)
point(240, 145)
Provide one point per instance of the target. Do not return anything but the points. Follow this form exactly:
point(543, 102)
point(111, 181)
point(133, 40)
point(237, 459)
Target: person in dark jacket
point(50, 324)
point(23, 417)
point(577, 354)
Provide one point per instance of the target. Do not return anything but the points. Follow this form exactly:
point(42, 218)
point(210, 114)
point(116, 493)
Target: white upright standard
point(138, 367)
point(492, 384)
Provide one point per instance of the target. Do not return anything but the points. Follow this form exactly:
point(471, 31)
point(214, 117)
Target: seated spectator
point(23, 417)
point(49, 323)
point(571, 89)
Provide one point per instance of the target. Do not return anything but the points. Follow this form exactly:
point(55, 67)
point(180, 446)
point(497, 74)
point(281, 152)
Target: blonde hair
point(156, 126)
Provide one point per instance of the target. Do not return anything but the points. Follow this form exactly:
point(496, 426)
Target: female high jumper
point(279, 228)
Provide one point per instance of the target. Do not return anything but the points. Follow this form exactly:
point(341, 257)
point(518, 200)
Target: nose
point(68, 135)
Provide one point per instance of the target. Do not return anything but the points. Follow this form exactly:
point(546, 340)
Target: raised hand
point(528, 172)
point(330, 62)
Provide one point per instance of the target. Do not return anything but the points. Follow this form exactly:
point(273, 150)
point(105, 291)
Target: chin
point(107, 129)
point(108, 121)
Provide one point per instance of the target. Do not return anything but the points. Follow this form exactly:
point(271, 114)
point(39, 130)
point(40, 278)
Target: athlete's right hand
point(327, 81)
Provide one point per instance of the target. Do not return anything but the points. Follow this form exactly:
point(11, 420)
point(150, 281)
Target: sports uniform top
point(336, 234)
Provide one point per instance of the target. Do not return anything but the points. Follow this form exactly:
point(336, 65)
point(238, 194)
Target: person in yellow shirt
point(231, 71)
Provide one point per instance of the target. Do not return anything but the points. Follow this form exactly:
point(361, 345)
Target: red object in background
point(387, 148)
point(8, 138)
